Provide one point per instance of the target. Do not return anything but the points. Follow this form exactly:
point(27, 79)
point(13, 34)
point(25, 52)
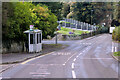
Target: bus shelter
point(34, 40)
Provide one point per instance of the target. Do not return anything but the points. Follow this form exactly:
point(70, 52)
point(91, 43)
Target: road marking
point(72, 65)
point(112, 49)
point(28, 61)
point(37, 73)
point(35, 58)
point(80, 53)
point(69, 58)
point(73, 74)
point(63, 64)
point(115, 49)
point(77, 57)
point(74, 59)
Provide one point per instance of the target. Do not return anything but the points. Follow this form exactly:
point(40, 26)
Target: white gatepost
point(76, 24)
point(65, 23)
point(87, 26)
point(81, 25)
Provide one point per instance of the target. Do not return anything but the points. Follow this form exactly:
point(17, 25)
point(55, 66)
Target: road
point(87, 58)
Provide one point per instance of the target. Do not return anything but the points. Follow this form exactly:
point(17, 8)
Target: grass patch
point(64, 22)
point(67, 30)
point(117, 53)
point(47, 48)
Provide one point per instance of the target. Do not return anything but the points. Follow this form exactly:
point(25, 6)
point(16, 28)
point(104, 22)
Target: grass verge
point(117, 53)
point(66, 31)
point(47, 48)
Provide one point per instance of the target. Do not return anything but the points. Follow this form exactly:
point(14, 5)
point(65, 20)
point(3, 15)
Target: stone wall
point(13, 47)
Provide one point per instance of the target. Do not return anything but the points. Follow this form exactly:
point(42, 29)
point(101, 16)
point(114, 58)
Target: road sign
point(31, 27)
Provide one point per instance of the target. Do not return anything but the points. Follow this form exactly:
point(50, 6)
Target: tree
point(16, 21)
point(65, 9)
point(45, 20)
point(18, 16)
point(55, 7)
point(89, 12)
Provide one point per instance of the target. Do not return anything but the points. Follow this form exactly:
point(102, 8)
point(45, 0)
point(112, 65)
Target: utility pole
point(91, 23)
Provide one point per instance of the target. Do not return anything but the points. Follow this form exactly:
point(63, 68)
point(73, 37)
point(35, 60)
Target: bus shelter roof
point(33, 31)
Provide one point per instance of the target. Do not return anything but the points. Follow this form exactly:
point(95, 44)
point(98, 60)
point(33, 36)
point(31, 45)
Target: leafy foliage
point(116, 34)
point(17, 21)
point(24, 14)
point(89, 12)
point(44, 20)
point(54, 7)
point(66, 9)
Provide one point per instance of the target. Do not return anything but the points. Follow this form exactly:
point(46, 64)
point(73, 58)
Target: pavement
point(87, 58)
point(17, 57)
point(9, 60)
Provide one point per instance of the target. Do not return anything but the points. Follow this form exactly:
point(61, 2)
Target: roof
point(33, 31)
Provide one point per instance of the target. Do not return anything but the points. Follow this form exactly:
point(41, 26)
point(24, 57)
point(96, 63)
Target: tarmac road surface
point(87, 58)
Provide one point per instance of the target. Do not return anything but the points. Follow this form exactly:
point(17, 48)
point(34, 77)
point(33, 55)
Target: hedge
point(116, 34)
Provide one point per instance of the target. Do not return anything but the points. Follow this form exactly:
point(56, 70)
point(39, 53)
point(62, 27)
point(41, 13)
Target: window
point(37, 38)
point(31, 38)
point(40, 38)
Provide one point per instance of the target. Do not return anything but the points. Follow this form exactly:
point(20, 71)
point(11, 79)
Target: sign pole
point(56, 36)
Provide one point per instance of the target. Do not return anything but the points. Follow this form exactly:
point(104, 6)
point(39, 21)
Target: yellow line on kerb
point(34, 58)
point(27, 61)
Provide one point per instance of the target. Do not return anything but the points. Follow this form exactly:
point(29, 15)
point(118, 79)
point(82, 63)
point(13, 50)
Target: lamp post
point(91, 22)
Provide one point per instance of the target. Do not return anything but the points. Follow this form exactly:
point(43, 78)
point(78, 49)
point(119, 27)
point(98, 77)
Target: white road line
point(73, 74)
point(112, 49)
point(115, 49)
point(72, 65)
point(69, 58)
point(77, 57)
point(74, 59)
point(80, 53)
point(63, 64)
point(37, 73)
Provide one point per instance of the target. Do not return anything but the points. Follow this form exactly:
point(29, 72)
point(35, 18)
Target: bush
point(116, 34)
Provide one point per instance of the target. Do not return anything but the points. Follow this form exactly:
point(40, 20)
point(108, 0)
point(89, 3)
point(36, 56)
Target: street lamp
point(91, 22)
